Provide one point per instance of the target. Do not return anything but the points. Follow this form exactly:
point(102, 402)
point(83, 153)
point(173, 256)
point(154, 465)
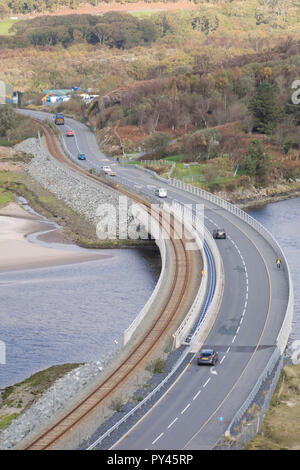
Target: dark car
point(219, 233)
point(207, 356)
point(81, 156)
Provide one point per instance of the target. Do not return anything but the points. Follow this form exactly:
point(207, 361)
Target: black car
point(207, 356)
point(219, 233)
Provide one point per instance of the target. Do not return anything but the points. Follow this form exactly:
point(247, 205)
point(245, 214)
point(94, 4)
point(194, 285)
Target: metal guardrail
point(171, 373)
point(142, 403)
point(285, 329)
point(282, 337)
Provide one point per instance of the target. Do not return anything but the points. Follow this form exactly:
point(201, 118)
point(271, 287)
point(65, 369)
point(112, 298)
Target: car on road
point(161, 192)
point(112, 173)
point(207, 356)
point(219, 233)
point(82, 156)
point(70, 133)
point(59, 119)
point(107, 169)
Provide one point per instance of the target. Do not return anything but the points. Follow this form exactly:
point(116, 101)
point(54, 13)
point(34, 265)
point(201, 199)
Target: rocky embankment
point(248, 198)
point(52, 403)
point(83, 196)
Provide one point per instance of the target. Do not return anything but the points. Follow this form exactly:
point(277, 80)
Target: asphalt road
point(196, 411)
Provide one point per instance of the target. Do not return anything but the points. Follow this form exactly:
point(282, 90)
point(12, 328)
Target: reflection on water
point(282, 219)
point(71, 313)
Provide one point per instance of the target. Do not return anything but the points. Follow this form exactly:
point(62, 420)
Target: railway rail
point(142, 350)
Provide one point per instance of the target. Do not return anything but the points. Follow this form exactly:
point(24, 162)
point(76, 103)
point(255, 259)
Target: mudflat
point(18, 253)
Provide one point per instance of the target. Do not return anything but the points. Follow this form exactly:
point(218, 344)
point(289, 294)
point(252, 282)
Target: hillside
point(197, 77)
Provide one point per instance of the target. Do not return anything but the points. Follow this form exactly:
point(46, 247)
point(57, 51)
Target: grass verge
point(281, 426)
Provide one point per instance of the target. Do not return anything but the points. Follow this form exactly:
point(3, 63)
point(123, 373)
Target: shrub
point(244, 181)
point(230, 186)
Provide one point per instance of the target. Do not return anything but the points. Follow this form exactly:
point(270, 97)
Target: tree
point(205, 23)
point(257, 163)
point(156, 144)
point(7, 119)
point(265, 109)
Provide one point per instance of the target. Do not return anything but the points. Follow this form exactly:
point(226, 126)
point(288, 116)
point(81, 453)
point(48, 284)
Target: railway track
point(142, 350)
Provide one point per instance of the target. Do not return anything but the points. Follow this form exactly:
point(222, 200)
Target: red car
point(70, 133)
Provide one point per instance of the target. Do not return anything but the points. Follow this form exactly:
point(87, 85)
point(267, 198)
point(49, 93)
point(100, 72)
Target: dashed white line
point(187, 406)
point(194, 398)
point(222, 359)
point(171, 424)
point(233, 339)
point(158, 437)
point(206, 382)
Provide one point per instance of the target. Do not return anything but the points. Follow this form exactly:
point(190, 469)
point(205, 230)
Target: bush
point(213, 187)
point(244, 181)
point(157, 366)
point(229, 187)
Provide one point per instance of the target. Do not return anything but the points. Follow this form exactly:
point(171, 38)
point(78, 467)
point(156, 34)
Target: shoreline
point(262, 199)
point(18, 253)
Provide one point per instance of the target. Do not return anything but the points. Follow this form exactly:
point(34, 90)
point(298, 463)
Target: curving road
point(196, 411)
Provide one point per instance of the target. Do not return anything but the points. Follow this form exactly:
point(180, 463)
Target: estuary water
point(74, 313)
point(71, 313)
point(282, 219)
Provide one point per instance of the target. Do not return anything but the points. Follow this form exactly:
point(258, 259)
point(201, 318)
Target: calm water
point(71, 313)
point(74, 313)
point(282, 219)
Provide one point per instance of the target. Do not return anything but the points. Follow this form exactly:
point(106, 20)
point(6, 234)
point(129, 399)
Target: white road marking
point(206, 382)
point(198, 393)
point(171, 424)
point(158, 437)
point(187, 406)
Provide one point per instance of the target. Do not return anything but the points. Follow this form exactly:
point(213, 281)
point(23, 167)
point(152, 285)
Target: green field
point(5, 26)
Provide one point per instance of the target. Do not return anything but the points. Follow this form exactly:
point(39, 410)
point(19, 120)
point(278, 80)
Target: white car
point(107, 169)
point(161, 192)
